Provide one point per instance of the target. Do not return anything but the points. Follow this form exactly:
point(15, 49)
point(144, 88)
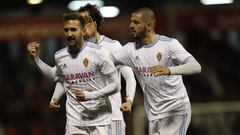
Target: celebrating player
point(159, 63)
point(88, 76)
point(94, 19)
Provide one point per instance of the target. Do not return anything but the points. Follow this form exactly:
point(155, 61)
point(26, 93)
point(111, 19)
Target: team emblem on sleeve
point(85, 62)
point(159, 56)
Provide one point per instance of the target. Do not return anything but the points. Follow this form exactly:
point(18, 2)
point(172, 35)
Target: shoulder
point(110, 44)
point(61, 53)
point(165, 38)
point(92, 46)
point(168, 41)
point(92, 49)
point(107, 39)
point(130, 45)
point(110, 41)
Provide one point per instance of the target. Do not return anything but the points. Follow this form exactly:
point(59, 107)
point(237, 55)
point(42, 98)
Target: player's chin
point(134, 35)
point(71, 43)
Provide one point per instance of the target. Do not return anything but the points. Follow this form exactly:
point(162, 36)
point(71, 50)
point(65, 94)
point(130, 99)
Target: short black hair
point(74, 16)
point(94, 12)
point(148, 14)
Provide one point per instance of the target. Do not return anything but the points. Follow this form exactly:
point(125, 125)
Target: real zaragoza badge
point(85, 62)
point(159, 56)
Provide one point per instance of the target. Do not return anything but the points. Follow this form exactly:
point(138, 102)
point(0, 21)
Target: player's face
point(73, 32)
point(137, 26)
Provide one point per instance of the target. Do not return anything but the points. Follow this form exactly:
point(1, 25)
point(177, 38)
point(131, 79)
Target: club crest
point(85, 62)
point(159, 56)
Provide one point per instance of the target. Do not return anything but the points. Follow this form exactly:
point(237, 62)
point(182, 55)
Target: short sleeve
point(178, 53)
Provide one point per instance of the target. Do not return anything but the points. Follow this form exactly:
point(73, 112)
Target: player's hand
point(90, 28)
point(54, 106)
point(80, 96)
point(159, 70)
point(32, 49)
point(127, 106)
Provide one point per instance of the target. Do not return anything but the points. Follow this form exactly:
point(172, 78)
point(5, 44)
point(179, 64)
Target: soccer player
point(88, 77)
point(94, 18)
point(159, 63)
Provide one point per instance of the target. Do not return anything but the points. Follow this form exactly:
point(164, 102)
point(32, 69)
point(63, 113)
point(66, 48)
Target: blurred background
point(209, 31)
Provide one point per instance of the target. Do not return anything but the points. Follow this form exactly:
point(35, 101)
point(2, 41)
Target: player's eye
point(136, 22)
point(73, 29)
point(65, 30)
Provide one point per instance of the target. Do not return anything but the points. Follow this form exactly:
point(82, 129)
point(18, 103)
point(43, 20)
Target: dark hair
point(148, 14)
point(74, 16)
point(94, 13)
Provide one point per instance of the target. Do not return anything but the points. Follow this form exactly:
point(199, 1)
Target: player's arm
point(109, 89)
point(185, 63)
point(129, 78)
point(191, 66)
point(59, 87)
point(45, 69)
point(58, 93)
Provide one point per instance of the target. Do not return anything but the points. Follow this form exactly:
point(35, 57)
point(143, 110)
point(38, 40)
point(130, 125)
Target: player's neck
point(73, 50)
point(98, 36)
point(149, 38)
point(76, 48)
point(94, 39)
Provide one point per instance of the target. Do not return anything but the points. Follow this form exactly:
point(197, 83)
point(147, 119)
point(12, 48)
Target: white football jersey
point(164, 95)
point(89, 71)
point(108, 46)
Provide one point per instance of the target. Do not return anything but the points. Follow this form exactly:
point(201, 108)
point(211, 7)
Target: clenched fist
point(127, 106)
point(32, 49)
point(54, 106)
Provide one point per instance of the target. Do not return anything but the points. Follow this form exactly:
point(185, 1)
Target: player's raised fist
point(32, 48)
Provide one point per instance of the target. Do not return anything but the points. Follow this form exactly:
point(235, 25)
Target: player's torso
point(156, 53)
point(162, 93)
point(80, 69)
point(81, 72)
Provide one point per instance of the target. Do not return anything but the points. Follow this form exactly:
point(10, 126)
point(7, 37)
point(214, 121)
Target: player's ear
point(84, 31)
point(95, 24)
point(149, 25)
